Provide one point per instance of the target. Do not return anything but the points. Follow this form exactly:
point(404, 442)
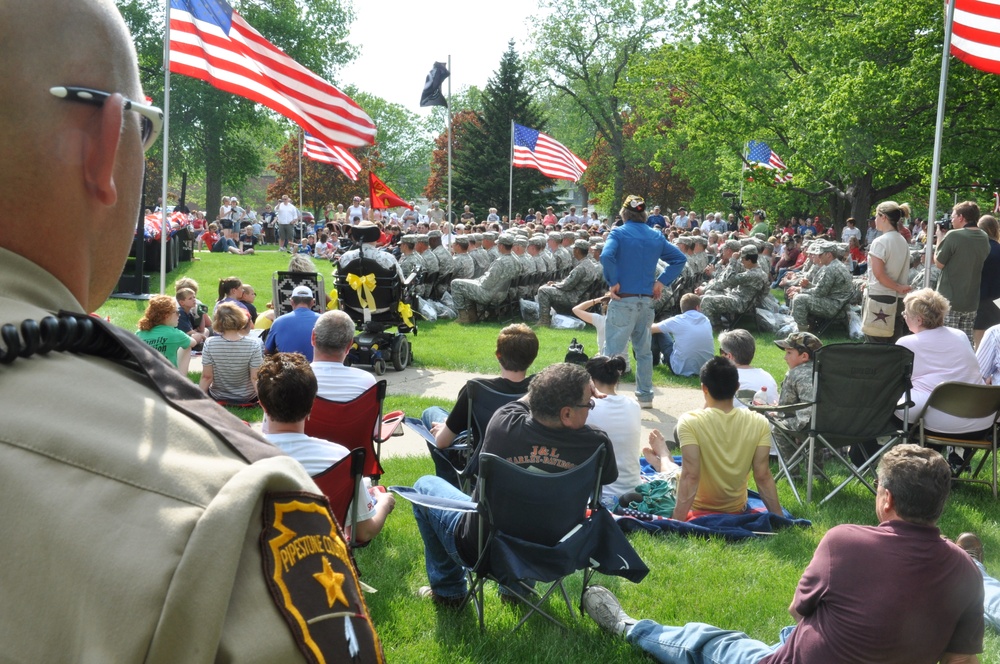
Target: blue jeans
point(632, 318)
point(991, 598)
point(662, 345)
point(442, 468)
point(698, 643)
point(445, 569)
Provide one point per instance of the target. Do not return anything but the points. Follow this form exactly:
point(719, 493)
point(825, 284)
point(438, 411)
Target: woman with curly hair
point(158, 328)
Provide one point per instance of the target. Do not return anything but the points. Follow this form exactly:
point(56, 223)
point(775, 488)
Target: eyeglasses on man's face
point(151, 117)
point(589, 405)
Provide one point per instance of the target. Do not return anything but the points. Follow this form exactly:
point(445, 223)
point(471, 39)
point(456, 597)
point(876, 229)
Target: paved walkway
point(668, 402)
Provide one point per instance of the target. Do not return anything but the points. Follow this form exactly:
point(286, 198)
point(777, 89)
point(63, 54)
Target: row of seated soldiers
point(484, 271)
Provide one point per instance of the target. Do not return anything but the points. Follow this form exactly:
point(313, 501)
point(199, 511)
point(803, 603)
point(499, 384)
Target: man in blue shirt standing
point(292, 332)
point(656, 219)
point(629, 259)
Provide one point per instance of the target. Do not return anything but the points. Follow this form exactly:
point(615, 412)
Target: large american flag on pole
point(211, 42)
point(336, 156)
point(533, 149)
point(975, 34)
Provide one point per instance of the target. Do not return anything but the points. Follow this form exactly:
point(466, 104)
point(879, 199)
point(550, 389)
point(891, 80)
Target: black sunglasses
point(151, 116)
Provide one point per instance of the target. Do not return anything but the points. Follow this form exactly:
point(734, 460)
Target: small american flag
point(761, 153)
point(533, 149)
point(337, 156)
point(211, 42)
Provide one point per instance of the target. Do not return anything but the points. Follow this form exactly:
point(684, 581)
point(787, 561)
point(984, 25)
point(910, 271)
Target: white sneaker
point(645, 404)
point(603, 607)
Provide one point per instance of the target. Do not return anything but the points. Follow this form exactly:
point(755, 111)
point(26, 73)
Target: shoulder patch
point(313, 581)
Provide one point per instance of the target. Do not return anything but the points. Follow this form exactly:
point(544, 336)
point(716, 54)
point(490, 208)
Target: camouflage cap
point(422, 237)
point(476, 237)
point(555, 235)
point(731, 245)
point(409, 239)
point(819, 247)
point(461, 240)
point(749, 250)
point(520, 240)
point(686, 240)
point(506, 240)
point(583, 235)
point(434, 233)
point(490, 235)
point(537, 240)
point(581, 245)
point(699, 239)
point(800, 341)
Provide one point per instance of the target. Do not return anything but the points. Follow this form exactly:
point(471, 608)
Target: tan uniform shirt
point(132, 534)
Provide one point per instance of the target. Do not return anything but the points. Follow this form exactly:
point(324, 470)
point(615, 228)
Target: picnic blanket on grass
point(755, 522)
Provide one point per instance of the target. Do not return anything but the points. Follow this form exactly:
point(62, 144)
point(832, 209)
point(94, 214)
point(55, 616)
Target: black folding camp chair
point(460, 460)
point(537, 526)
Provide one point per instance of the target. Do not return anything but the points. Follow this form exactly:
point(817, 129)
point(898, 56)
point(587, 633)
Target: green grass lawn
point(744, 586)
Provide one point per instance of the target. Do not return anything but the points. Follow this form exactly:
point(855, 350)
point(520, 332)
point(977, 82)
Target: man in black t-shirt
point(517, 347)
point(546, 430)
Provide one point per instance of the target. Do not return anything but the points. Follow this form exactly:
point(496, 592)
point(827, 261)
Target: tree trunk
point(618, 153)
point(213, 169)
point(862, 197)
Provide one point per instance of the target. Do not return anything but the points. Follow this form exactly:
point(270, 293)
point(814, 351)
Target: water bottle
point(764, 398)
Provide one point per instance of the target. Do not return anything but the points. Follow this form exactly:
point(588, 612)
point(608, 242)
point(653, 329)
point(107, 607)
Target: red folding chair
point(356, 424)
point(340, 483)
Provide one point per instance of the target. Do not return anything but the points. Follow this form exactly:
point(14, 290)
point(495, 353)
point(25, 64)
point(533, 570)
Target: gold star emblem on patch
point(333, 582)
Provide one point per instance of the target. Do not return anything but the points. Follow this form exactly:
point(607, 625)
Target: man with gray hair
point(546, 430)
point(896, 592)
point(332, 338)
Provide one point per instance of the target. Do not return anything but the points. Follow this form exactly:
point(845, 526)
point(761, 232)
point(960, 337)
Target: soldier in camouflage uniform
point(446, 264)
point(797, 387)
point(738, 291)
point(536, 250)
point(479, 256)
point(721, 273)
point(465, 267)
point(699, 256)
point(567, 293)
point(489, 245)
point(520, 250)
point(491, 288)
point(825, 294)
point(409, 260)
point(564, 259)
point(551, 266)
point(431, 266)
point(691, 276)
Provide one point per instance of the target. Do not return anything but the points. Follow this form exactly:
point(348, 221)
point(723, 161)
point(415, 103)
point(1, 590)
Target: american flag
point(211, 42)
point(975, 34)
point(761, 153)
point(337, 156)
point(533, 149)
point(782, 178)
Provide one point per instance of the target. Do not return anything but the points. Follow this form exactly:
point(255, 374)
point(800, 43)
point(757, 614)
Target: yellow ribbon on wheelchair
point(406, 311)
point(364, 286)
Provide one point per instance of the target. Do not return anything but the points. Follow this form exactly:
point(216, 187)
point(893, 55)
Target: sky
point(401, 39)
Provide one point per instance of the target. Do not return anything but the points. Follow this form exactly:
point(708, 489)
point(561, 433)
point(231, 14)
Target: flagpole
point(510, 190)
point(164, 220)
point(938, 133)
point(300, 170)
point(449, 138)
point(743, 171)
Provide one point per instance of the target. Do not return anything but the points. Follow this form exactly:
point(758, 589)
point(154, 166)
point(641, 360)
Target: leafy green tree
point(481, 170)
point(845, 93)
point(584, 50)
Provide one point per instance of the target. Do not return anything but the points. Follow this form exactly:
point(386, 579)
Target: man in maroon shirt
point(895, 593)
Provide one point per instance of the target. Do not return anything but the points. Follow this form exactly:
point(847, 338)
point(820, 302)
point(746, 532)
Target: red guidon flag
point(383, 197)
point(211, 42)
point(975, 34)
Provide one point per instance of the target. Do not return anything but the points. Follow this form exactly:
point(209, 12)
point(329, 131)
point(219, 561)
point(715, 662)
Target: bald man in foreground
point(143, 522)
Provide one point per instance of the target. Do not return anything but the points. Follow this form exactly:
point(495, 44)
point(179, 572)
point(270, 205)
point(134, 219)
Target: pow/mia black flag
point(432, 86)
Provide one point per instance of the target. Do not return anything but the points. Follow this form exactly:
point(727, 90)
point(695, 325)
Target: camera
point(944, 224)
